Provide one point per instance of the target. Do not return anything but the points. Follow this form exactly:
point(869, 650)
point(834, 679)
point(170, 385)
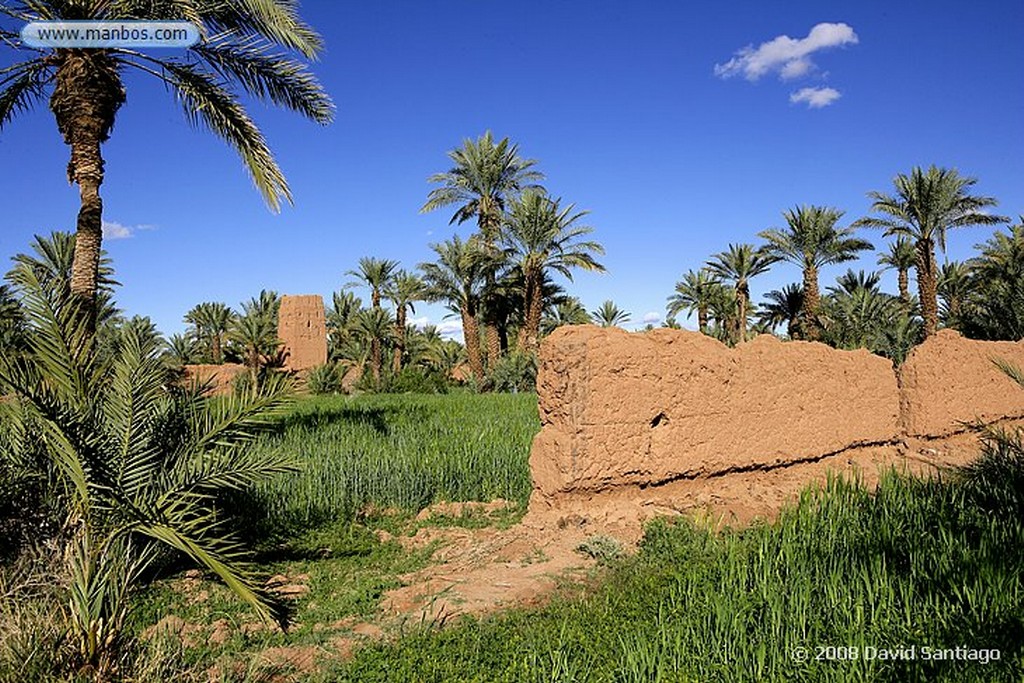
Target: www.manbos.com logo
point(44, 34)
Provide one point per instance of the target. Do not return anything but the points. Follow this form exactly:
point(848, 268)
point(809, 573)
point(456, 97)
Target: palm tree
point(540, 236)
point(784, 306)
point(925, 206)
point(243, 49)
point(996, 309)
point(340, 320)
point(697, 291)
point(567, 312)
point(738, 265)
point(141, 465)
point(255, 334)
point(609, 315)
point(858, 313)
point(181, 348)
point(902, 256)
point(376, 274)
point(811, 240)
point(954, 289)
point(458, 277)
point(374, 325)
point(484, 178)
point(404, 290)
point(211, 322)
point(52, 262)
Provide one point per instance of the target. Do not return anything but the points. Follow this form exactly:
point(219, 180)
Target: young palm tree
point(954, 289)
point(211, 322)
point(738, 265)
point(484, 178)
point(697, 291)
point(341, 320)
point(244, 47)
point(567, 312)
point(375, 326)
point(811, 240)
point(609, 315)
point(783, 306)
point(996, 308)
point(541, 236)
point(142, 465)
point(254, 333)
point(458, 277)
point(925, 206)
point(901, 256)
point(404, 290)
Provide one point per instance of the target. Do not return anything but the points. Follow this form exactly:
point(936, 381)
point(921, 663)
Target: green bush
point(324, 379)
point(515, 373)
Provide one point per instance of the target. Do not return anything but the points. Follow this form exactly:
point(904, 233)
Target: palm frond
point(284, 81)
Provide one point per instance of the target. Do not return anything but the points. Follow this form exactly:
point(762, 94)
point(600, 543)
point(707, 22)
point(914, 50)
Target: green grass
point(919, 564)
point(396, 451)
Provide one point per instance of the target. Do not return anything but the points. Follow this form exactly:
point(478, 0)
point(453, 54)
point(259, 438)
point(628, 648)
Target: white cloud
point(652, 317)
point(451, 330)
point(118, 231)
point(816, 98)
point(420, 322)
point(790, 57)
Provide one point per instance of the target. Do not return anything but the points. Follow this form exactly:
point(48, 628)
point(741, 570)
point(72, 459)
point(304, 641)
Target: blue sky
point(682, 127)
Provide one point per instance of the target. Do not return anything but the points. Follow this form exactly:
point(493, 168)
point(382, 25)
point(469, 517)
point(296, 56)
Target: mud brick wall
point(221, 376)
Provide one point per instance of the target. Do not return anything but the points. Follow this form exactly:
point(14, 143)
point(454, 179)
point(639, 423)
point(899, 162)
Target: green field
point(398, 451)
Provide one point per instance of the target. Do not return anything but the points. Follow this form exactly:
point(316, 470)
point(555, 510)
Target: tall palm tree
point(609, 315)
point(246, 48)
point(925, 206)
point(739, 265)
point(901, 256)
point(783, 306)
point(375, 273)
point(697, 291)
point(404, 290)
point(375, 326)
point(541, 236)
point(811, 240)
point(484, 178)
point(211, 321)
point(141, 466)
point(458, 277)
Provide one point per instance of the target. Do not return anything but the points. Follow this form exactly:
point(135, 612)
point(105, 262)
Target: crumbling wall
point(642, 409)
point(949, 382)
point(676, 419)
point(302, 328)
point(220, 376)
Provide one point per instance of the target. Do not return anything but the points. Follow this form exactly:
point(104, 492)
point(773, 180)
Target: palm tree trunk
point(927, 283)
point(534, 309)
point(375, 362)
point(741, 319)
point(85, 100)
point(396, 364)
point(215, 349)
point(471, 337)
point(702, 319)
point(904, 285)
point(808, 323)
